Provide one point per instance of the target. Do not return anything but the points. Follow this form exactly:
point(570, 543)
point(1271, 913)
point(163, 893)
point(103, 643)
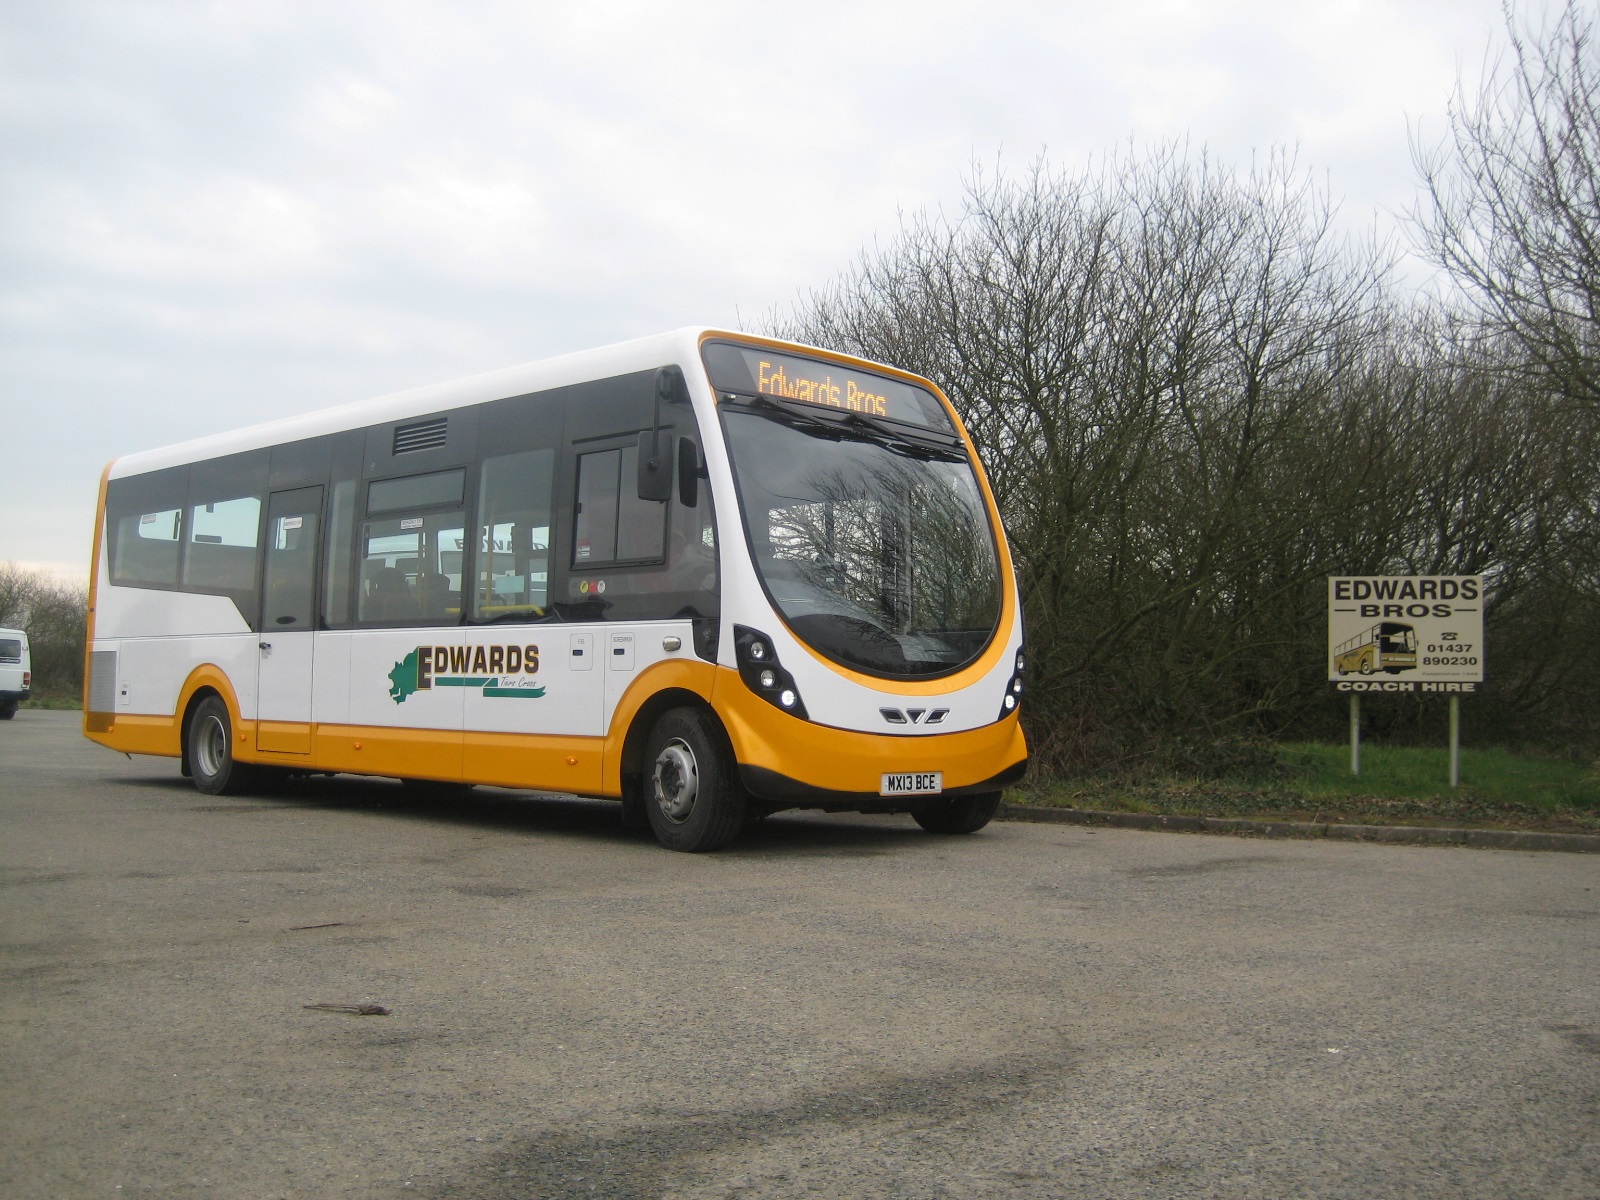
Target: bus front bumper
point(788, 761)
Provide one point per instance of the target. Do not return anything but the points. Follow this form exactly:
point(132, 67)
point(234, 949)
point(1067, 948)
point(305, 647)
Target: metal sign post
point(1406, 633)
point(1355, 734)
point(1455, 741)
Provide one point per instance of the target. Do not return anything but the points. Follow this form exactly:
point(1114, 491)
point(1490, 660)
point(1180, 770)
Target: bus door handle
point(265, 647)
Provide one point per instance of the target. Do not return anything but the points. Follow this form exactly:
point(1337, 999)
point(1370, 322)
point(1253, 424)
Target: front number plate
point(912, 783)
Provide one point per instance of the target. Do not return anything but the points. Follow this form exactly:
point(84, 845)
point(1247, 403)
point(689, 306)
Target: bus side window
point(341, 542)
point(515, 495)
point(641, 524)
point(221, 555)
point(411, 558)
point(612, 525)
point(144, 548)
point(411, 569)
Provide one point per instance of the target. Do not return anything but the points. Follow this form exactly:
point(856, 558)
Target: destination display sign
point(746, 370)
point(1405, 633)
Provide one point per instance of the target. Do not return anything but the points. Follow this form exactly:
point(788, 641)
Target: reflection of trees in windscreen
point(905, 545)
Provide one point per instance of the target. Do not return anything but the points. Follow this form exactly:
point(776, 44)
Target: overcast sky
point(213, 214)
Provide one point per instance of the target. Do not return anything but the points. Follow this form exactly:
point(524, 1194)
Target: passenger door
point(288, 614)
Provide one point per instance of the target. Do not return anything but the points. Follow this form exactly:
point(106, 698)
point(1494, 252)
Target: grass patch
point(1397, 786)
point(1494, 776)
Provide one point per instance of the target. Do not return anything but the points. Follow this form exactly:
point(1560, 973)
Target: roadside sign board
point(1405, 633)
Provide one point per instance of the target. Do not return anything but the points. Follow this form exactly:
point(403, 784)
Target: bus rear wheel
point(960, 814)
point(690, 794)
point(208, 751)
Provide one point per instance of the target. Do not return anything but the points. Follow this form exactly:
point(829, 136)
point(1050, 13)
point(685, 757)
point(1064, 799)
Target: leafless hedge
point(55, 615)
point(1196, 401)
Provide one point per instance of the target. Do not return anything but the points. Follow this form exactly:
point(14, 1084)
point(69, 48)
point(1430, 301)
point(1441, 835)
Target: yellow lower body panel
point(803, 752)
point(136, 734)
point(284, 737)
point(557, 764)
point(520, 760)
point(373, 750)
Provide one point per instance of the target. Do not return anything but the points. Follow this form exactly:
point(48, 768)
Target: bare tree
point(1512, 204)
point(17, 588)
point(55, 616)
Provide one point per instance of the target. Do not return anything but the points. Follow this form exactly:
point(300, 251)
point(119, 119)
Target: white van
point(16, 671)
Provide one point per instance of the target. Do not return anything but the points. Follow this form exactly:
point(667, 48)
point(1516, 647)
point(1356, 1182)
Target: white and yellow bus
point(708, 574)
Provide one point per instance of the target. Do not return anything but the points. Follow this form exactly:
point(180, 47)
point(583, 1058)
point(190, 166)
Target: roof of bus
point(638, 355)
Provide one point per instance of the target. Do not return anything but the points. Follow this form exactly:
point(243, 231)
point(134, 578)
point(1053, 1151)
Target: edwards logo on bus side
point(502, 672)
point(1405, 633)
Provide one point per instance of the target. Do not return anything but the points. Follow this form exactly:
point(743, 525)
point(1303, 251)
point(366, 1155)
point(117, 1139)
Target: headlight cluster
point(763, 674)
point(1013, 697)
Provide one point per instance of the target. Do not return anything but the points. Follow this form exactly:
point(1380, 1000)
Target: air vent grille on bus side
point(422, 435)
point(102, 681)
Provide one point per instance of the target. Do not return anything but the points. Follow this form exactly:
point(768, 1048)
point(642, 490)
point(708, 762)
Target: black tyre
point(208, 751)
point(635, 818)
point(691, 795)
point(8, 709)
point(961, 814)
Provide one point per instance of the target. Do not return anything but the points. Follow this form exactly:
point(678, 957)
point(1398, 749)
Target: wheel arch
point(630, 763)
point(203, 681)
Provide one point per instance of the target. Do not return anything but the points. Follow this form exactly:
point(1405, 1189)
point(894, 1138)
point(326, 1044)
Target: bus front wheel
point(691, 796)
point(208, 751)
point(960, 814)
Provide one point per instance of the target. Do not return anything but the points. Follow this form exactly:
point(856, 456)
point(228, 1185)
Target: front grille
point(914, 716)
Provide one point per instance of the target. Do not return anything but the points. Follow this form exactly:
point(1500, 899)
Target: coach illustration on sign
point(1405, 633)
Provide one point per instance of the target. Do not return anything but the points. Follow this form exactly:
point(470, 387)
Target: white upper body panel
point(643, 354)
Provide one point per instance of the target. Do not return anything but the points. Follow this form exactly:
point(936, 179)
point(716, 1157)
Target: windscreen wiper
point(946, 449)
point(853, 427)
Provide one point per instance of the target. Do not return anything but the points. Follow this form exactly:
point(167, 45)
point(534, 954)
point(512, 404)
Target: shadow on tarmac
point(790, 833)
